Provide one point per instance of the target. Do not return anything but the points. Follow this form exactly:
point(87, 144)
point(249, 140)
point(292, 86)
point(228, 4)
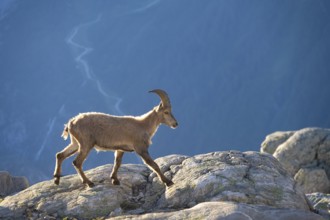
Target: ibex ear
point(160, 106)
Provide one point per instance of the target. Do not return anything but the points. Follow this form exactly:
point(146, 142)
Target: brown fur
point(116, 133)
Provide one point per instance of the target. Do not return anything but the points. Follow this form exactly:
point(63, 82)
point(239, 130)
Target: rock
point(11, 184)
point(73, 199)
point(228, 211)
point(232, 176)
point(305, 154)
point(244, 183)
point(312, 180)
point(273, 140)
point(321, 203)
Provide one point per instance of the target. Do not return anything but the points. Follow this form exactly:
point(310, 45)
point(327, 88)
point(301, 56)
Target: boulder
point(247, 177)
point(11, 184)
point(312, 180)
point(305, 154)
point(228, 211)
point(232, 184)
point(275, 139)
point(321, 203)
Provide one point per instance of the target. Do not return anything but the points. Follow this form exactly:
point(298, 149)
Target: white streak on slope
point(146, 7)
point(89, 77)
point(50, 130)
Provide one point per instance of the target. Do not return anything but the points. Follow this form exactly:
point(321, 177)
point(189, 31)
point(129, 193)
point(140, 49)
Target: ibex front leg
point(118, 159)
point(153, 166)
point(78, 162)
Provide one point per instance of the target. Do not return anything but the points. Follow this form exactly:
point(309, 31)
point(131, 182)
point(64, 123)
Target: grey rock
point(272, 141)
point(304, 153)
point(229, 211)
point(71, 198)
point(247, 177)
point(247, 180)
point(11, 184)
point(321, 203)
point(312, 180)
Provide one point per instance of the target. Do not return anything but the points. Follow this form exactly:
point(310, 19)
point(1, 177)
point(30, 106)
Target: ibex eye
point(166, 113)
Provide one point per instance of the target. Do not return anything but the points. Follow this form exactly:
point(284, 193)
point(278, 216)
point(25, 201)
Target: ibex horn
point(163, 96)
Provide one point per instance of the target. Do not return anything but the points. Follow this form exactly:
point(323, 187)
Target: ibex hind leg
point(118, 159)
point(71, 149)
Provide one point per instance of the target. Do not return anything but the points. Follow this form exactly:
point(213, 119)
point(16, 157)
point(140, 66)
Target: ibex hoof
point(57, 181)
point(90, 184)
point(115, 182)
point(169, 183)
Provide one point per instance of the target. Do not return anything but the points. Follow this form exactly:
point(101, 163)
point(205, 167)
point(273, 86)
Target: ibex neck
point(151, 122)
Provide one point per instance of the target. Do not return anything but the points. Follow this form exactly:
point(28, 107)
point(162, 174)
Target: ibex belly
point(124, 148)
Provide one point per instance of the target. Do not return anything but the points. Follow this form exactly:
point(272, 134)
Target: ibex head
point(164, 109)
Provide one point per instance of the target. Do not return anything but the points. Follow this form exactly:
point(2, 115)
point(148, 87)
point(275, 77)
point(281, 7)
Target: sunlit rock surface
point(230, 183)
point(305, 154)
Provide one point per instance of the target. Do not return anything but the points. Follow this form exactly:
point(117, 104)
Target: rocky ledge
point(305, 154)
point(237, 185)
point(11, 184)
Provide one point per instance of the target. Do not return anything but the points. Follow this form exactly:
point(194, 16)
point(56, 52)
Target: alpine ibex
point(116, 133)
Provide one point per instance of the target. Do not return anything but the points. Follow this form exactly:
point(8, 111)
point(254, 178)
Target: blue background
point(235, 72)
